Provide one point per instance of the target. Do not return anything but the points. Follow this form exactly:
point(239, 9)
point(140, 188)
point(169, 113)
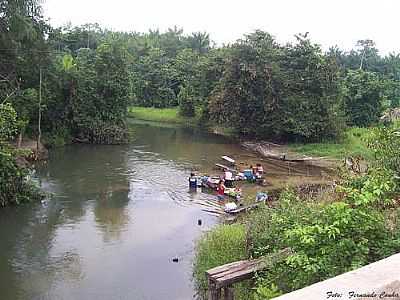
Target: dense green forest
point(255, 85)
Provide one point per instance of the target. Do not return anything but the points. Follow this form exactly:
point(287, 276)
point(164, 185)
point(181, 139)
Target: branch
point(9, 96)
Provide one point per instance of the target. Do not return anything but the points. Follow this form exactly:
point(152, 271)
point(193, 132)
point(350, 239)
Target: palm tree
point(199, 41)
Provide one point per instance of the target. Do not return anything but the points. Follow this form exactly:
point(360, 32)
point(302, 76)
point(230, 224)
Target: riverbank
point(34, 151)
point(16, 161)
point(352, 142)
point(165, 115)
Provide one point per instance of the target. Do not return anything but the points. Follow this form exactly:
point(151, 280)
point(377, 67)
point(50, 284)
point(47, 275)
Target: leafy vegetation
point(14, 186)
point(363, 98)
point(255, 86)
point(275, 91)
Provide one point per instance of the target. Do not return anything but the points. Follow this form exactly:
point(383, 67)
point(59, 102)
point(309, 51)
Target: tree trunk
point(19, 139)
point(40, 112)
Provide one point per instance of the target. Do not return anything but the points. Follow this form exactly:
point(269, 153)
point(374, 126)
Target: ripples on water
point(118, 216)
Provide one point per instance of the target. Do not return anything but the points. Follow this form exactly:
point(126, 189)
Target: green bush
point(326, 240)
point(222, 245)
point(265, 291)
point(14, 187)
point(385, 144)
point(377, 188)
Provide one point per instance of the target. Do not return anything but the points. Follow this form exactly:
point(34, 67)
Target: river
point(117, 218)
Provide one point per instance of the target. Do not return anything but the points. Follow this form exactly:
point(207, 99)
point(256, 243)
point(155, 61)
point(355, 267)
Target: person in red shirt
point(221, 190)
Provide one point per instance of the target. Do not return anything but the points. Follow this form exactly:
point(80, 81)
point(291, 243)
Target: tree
point(152, 80)
point(199, 41)
point(100, 103)
point(363, 96)
point(186, 101)
point(273, 91)
point(368, 54)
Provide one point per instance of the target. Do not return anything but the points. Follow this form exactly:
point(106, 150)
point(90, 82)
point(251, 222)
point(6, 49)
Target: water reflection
point(110, 211)
point(118, 216)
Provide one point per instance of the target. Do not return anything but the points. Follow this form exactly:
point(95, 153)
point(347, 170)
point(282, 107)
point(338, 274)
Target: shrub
point(326, 240)
point(376, 188)
point(385, 143)
point(14, 187)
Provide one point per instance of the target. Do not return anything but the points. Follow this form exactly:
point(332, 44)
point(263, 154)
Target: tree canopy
point(257, 86)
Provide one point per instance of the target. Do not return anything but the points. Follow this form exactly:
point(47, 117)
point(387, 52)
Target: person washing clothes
point(192, 181)
point(221, 190)
point(228, 176)
point(260, 169)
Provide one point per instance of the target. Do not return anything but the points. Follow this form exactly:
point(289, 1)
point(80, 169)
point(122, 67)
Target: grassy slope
point(353, 143)
point(166, 115)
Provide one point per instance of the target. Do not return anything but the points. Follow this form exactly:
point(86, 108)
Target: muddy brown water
point(118, 217)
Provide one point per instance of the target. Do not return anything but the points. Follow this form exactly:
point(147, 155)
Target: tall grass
point(222, 245)
point(165, 115)
point(352, 143)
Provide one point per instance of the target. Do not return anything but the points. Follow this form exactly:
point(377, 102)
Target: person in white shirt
point(228, 177)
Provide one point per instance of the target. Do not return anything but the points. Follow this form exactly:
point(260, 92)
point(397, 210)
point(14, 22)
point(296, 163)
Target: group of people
point(227, 180)
point(258, 170)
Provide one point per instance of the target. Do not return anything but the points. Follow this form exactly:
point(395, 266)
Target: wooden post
point(229, 293)
point(213, 292)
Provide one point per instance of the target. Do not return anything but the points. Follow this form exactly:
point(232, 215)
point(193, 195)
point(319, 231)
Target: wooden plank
point(234, 278)
point(222, 268)
point(228, 159)
point(238, 276)
point(213, 211)
point(213, 203)
point(226, 275)
point(247, 265)
point(232, 267)
point(243, 208)
point(204, 204)
point(208, 203)
point(223, 167)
